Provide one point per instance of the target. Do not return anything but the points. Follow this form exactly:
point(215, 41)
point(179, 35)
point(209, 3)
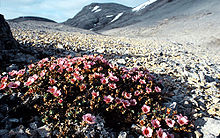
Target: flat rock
point(211, 127)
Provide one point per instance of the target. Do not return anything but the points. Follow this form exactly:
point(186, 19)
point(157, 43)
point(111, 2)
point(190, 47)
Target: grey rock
point(3, 131)
point(198, 134)
point(6, 39)
point(122, 135)
point(101, 50)
point(12, 67)
point(4, 108)
point(1, 116)
point(209, 78)
point(33, 125)
point(44, 131)
point(13, 120)
point(21, 136)
point(121, 61)
point(211, 127)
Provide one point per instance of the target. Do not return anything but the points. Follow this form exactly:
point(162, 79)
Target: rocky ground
point(191, 75)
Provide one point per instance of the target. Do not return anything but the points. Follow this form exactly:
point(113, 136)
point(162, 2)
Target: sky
point(57, 10)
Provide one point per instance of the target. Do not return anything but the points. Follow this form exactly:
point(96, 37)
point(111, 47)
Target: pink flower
point(52, 81)
point(14, 84)
point(31, 66)
point(3, 85)
point(60, 101)
point(69, 69)
point(112, 85)
point(113, 78)
point(52, 89)
point(108, 99)
point(43, 72)
point(13, 72)
point(100, 69)
point(82, 87)
point(21, 72)
point(155, 123)
point(79, 77)
point(127, 95)
point(87, 66)
point(4, 79)
point(35, 77)
point(160, 133)
point(117, 100)
point(52, 67)
point(73, 80)
point(164, 135)
point(157, 89)
point(136, 93)
point(40, 65)
point(170, 122)
point(125, 103)
point(142, 81)
point(95, 94)
point(135, 78)
point(123, 76)
point(145, 109)
point(104, 80)
point(98, 75)
point(148, 90)
point(147, 132)
point(133, 102)
point(57, 93)
point(29, 81)
point(182, 120)
point(88, 118)
point(44, 60)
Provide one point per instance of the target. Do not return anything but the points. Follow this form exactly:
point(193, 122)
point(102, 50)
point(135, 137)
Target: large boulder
point(7, 41)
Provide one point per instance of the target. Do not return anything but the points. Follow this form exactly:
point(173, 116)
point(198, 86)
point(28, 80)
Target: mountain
point(137, 14)
point(97, 15)
point(30, 18)
point(182, 21)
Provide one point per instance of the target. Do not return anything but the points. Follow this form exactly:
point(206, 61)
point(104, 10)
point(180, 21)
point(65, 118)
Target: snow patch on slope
point(108, 16)
point(98, 10)
point(142, 6)
point(95, 8)
point(117, 17)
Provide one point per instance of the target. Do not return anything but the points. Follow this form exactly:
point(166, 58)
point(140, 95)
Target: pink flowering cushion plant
point(170, 122)
point(182, 120)
point(72, 87)
point(155, 123)
point(3, 85)
point(88, 118)
point(147, 131)
point(14, 84)
point(145, 109)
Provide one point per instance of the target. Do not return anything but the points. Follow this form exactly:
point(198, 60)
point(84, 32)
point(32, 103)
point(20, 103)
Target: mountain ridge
point(96, 15)
point(32, 18)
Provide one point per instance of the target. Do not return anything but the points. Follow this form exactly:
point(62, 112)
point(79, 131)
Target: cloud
point(58, 10)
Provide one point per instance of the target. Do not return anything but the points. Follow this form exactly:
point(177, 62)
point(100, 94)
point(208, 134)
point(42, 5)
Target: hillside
point(30, 18)
point(182, 21)
point(97, 15)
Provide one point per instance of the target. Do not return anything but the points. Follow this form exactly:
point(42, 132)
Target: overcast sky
point(58, 10)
